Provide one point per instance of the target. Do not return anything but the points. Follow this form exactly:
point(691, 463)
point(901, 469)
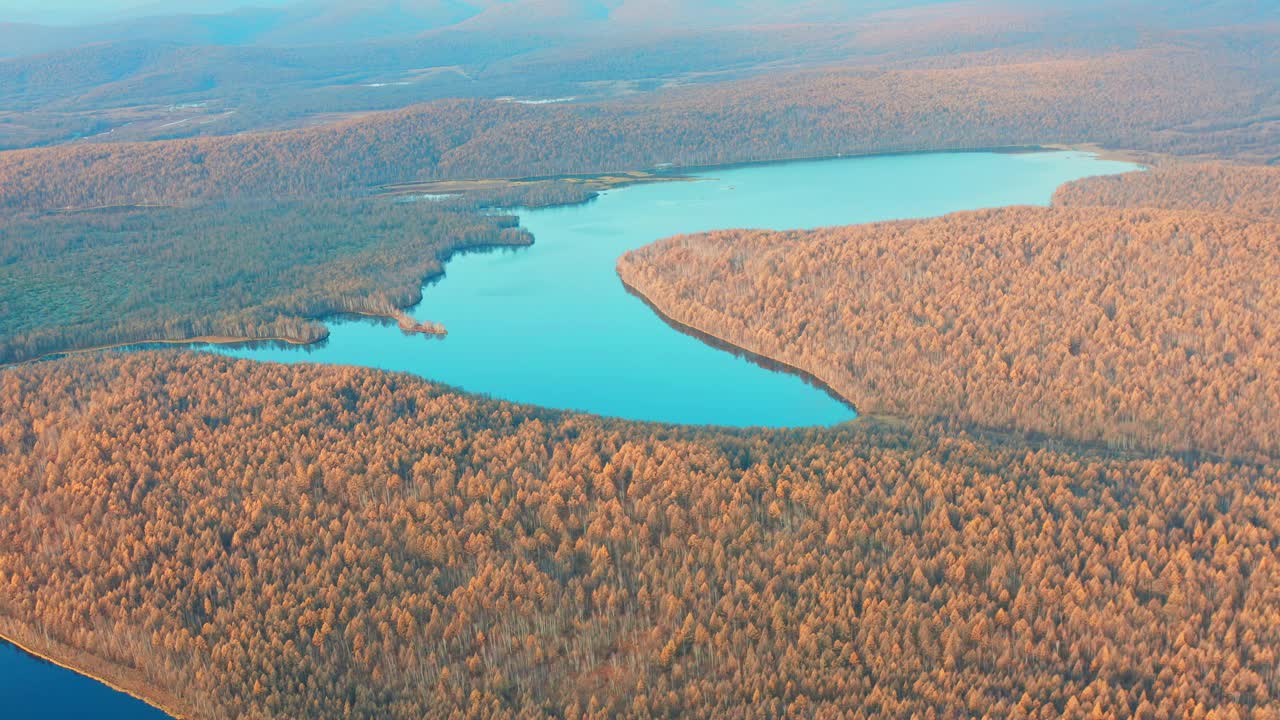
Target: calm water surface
point(33, 688)
point(552, 324)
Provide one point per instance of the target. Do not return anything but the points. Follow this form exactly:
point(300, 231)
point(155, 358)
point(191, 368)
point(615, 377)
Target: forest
point(1061, 498)
point(1246, 190)
point(1162, 100)
point(311, 541)
point(1127, 327)
point(252, 70)
point(244, 270)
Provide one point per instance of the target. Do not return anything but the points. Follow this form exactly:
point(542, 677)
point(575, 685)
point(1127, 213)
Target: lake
point(552, 324)
point(32, 688)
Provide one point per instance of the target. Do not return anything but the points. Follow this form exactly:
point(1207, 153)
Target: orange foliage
point(309, 541)
point(1126, 99)
point(1130, 327)
point(1252, 191)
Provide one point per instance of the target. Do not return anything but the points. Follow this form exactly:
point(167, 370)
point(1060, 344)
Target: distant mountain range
point(151, 75)
point(318, 22)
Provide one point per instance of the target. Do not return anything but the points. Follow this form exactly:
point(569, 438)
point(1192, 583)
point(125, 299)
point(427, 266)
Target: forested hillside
point(1061, 500)
point(247, 270)
point(1162, 100)
point(284, 542)
point(1251, 191)
point(179, 73)
point(1125, 327)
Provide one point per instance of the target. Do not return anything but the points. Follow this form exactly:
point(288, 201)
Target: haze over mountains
point(284, 23)
point(148, 76)
point(311, 22)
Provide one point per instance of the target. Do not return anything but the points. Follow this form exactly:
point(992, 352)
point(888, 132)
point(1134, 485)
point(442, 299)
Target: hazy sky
point(72, 12)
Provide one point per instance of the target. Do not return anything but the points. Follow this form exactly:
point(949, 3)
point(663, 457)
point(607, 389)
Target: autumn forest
point(1060, 496)
point(1141, 326)
point(391, 548)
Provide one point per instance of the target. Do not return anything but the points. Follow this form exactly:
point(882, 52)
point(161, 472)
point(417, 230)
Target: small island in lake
point(425, 327)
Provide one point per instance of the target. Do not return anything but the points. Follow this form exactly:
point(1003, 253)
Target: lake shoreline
point(720, 343)
point(590, 186)
point(993, 435)
point(198, 340)
point(397, 316)
point(117, 677)
point(719, 401)
point(1147, 160)
point(409, 325)
point(1095, 149)
point(654, 175)
point(666, 172)
point(996, 150)
point(670, 172)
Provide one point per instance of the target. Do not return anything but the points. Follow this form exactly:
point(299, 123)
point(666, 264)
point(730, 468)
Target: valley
point(551, 324)
point(604, 358)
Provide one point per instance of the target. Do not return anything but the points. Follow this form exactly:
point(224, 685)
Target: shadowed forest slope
point(246, 270)
point(1161, 100)
point(1148, 328)
point(309, 541)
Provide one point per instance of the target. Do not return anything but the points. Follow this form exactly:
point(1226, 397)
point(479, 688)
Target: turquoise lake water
point(552, 324)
